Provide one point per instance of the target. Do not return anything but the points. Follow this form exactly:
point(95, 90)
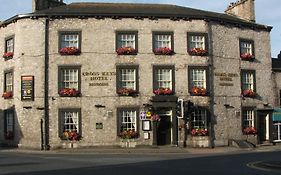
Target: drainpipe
point(46, 83)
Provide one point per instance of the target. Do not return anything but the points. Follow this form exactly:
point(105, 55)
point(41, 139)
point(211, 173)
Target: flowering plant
point(250, 130)
point(248, 93)
point(126, 91)
point(71, 135)
point(197, 51)
point(69, 92)
point(247, 56)
point(199, 132)
point(8, 94)
point(163, 91)
point(126, 51)
point(163, 51)
point(155, 118)
point(9, 135)
point(8, 55)
point(69, 51)
point(128, 134)
point(198, 91)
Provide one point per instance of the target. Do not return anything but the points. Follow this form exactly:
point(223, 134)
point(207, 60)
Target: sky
point(268, 12)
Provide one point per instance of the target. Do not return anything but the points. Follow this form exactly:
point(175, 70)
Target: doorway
point(164, 128)
point(277, 127)
point(263, 128)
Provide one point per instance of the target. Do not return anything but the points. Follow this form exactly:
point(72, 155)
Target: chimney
point(38, 5)
point(243, 9)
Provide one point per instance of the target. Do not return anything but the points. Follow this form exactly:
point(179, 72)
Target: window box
point(9, 135)
point(7, 95)
point(248, 93)
point(128, 134)
point(69, 92)
point(163, 51)
point(247, 57)
point(250, 131)
point(126, 51)
point(8, 55)
point(127, 92)
point(69, 51)
point(199, 91)
point(71, 135)
point(199, 132)
point(197, 52)
point(163, 91)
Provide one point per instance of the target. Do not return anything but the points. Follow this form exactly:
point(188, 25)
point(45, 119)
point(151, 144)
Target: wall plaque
point(27, 88)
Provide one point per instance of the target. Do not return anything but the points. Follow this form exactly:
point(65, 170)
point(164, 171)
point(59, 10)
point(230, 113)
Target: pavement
point(150, 150)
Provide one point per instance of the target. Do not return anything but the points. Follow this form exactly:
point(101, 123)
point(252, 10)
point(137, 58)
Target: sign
point(226, 79)
point(148, 114)
point(98, 78)
point(142, 115)
point(27, 88)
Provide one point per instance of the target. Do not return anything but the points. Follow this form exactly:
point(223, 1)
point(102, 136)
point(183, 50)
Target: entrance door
point(164, 131)
point(263, 128)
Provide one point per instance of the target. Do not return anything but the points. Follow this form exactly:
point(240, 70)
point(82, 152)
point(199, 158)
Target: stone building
point(96, 74)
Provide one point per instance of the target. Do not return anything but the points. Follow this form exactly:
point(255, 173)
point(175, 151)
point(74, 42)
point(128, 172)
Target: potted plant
point(127, 92)
point(8, 55)
point(126, 51)
point(199, 132)
point(69, 92)
point(247, 56)
point(69, 51)
point(250, 130)
point(248, 93)
point(199, 91)
point(163, 51)
point(163, 91)
point(7, 94)
point(197, 51)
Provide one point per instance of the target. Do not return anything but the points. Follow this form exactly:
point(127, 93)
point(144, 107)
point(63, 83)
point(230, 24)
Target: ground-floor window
point(70, 124)
point(9, 124)
point(198, 122)
point(248, 121)
point(127, 122)
point(277, 126)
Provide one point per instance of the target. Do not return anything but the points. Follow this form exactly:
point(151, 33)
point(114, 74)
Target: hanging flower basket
point(199, 132)
point(163, 91)
point(71, 135)
point(250, 131)
point(7, 95)
point(247, 57)
point(8, 55)
point(155, 118)
point(9, 135)
point(163, 51)
point(199, 91)
point(69, 92)
point(69, 51)
point(248, 93)
point(127, 92)
point(126, 51)
point(197, 51)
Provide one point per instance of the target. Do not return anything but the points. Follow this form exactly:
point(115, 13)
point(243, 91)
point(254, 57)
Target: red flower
point(69, 92)
point(197, 51)
point(155, 118)
point(128, 134)
point(163, 91)
point(199, 132)
point(126, 51)
point(163, 51)
point(71, 135)
point(247, 56)
point(198, 91)
point(8, 55)
point(7, 95)
point(248, 93)
point(250, 130)
point(69, 51)
point(126, 91)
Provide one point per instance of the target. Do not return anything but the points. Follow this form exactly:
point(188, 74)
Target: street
point(136, 163)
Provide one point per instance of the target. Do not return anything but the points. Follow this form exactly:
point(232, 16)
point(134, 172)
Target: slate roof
point(135, 10)
point(276, 63)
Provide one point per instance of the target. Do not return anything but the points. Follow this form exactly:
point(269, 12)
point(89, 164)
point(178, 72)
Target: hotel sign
point(226, 79)
point(98, 78)
point(27, 88)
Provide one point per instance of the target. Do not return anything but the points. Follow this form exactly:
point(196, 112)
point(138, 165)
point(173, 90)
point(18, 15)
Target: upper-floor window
point(9, 124)
point(127, 80)
point(127, 122)
point(248, 83)
point(198, 80)
point(69, 81)
point(247, 49)
point(126, 43)
point(163, 80)
point(197, 44)
point(70, 124)
point(8, 84)
point(9, 48)
point(163, 43)
point(70, 43)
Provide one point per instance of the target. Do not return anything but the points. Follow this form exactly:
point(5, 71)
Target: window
point(8, 84)
point(197, 44)
point(69, 123)
point(69, 81)
point(127, 119)
point(69, 43)
point(199, 118)
point(163, 80)
point(126, 43)
point(198, 80)
point(248, 118)
point(163, 43)
point(127, 80)
point(247, 49)
point(9, 44)
point(9, 124)
point(248, 83)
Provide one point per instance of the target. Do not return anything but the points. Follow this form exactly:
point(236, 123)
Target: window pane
point(248, 81)
point(246, 47)
point(248, 118)
point(70, 40)
point(164, 78)
point(126, 40)
point(9, 82)
point(70, 78)
point(128, 78)
point(10, 45)
point(71, 121)
point(197, 41)
point(198, 78)
point(199, 119)
point(163, 41)
point(128, 120)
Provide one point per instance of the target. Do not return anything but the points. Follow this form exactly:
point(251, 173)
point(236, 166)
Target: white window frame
point(248, 118)
point(162, 40)
point(164, 78)
point(246, 47)
point(70, 40)
point(197, 41)
point(248, 81)
point(199, 78)
point(70, 78)
point(126, 40)
point(128, 120)
point(128, 78)
point(9, 118)
point(10, 45)
point(71, 121)
point(199, 118)
point(9, 82)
